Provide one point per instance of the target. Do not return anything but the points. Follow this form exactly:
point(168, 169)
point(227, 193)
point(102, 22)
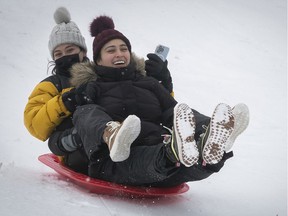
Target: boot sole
point(220, 129)
point(184, 130)
point(127, 134)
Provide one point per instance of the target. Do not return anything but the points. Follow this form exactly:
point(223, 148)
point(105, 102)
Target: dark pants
point(149, 166)
point(146, 165)
point(90, 121)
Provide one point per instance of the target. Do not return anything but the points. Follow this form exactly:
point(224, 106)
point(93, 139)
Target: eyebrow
point(113, 46)
point(69, 46)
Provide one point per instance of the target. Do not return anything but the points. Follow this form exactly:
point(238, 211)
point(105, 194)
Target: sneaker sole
point(184, 130)
point(241, 119)
point(221, 127)
point(127, 134)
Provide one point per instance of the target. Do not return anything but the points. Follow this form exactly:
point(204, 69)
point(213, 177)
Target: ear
point(98, 62)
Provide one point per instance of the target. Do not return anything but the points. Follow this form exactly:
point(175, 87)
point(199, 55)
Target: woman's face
point(68, 49)
point(115, 54)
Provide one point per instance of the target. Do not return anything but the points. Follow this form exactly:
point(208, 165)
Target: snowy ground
point(220, 51)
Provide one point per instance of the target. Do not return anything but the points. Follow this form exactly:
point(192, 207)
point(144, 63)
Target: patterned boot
point(183, 144)
point(213, 142)
point(241, 119)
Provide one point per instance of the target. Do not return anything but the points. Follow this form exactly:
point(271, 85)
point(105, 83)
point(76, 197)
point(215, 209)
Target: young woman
point(133, 131)
point(51, 103)
point(48, 110)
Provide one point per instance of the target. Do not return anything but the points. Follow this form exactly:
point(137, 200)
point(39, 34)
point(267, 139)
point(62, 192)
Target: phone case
point(162, 52)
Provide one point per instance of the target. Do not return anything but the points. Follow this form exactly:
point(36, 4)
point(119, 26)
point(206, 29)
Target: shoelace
point(112, 129)
point(200, 142)
point(167, 137)
point(170, 130)
point(113, 125)
point(205, 127)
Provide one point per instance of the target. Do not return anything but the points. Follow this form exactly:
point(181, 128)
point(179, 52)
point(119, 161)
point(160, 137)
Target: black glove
point(70, 140)
point(156, 68)
point(75, 97)
point(91, 92)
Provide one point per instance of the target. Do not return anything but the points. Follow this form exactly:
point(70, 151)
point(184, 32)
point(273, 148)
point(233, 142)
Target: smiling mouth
point(121, 62)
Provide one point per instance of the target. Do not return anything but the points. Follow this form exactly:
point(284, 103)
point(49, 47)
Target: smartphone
point(162, 52)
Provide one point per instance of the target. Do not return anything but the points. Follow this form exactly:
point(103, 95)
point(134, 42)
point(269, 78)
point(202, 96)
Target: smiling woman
point(114, 54)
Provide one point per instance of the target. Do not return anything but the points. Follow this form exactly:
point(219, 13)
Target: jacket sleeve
point(167, 102)
point(45, 110)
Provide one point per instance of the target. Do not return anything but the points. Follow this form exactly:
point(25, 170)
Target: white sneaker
point(119, 137)
point(218, 132)
point(183, 134)
point(241, 121)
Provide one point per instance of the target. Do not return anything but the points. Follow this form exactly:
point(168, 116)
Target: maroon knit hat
point(102, 28)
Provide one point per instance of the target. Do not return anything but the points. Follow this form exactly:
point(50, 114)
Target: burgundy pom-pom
point(100, 24)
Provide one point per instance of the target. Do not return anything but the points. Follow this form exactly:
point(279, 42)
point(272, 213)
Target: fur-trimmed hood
point(84, 72)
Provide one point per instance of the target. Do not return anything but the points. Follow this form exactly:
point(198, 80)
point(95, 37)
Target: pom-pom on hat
point(66, 31)
point(102, 28)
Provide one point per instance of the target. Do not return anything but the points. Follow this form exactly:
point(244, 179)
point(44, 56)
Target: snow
point(227, 51)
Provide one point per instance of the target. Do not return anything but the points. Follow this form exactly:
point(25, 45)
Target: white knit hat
point(66, 31)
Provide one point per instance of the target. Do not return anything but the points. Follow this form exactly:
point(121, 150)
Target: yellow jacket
point(45, 109)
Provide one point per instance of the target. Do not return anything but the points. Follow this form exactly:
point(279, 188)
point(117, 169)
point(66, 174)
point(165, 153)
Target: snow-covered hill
point(220, 51)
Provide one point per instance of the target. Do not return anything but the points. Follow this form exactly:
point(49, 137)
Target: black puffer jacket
point(126, 91)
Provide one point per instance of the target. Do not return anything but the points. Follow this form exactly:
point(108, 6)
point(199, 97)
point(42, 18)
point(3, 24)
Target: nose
point(118, 53)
